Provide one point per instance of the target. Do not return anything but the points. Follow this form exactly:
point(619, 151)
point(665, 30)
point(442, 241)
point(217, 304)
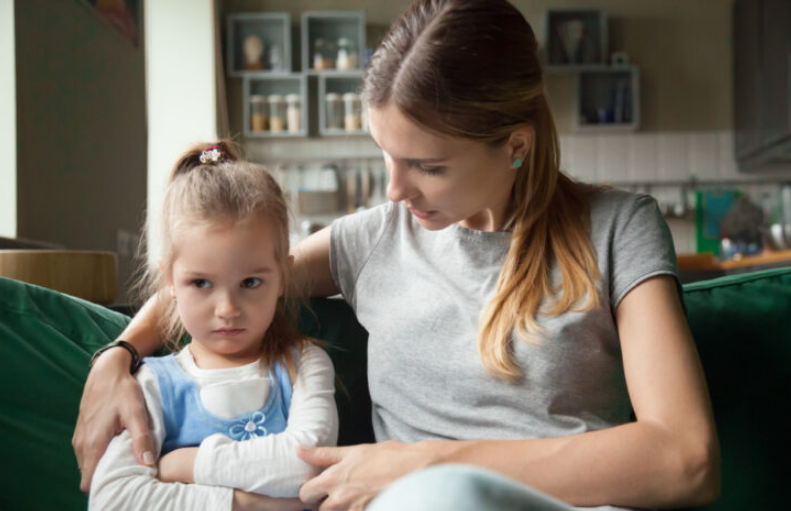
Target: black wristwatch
point(136, 360)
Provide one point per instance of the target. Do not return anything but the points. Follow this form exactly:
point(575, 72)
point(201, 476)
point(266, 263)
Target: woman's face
point(443, 180)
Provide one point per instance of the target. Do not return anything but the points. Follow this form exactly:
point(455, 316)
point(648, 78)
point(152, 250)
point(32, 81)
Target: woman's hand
point(178, 466)
point(243, 501)
point(356, 474)
point(111, 402)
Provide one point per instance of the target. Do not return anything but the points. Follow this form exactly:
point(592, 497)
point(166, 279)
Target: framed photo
point(121, 14)
point(576, 37)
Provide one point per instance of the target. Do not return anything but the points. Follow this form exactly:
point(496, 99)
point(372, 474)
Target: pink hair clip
point(212, 154)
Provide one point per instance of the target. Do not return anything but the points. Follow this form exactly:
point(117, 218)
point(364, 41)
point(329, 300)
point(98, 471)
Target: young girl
point(247, 377)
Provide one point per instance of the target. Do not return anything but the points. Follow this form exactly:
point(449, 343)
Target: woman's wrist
point(115, 359)
point(443, 451)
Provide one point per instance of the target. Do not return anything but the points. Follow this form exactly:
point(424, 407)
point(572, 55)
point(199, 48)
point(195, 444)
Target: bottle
point(277, 113)
point(257, 112)
point(294, 113)
point(347, 58)
point(274, 58)
point(318, 54)
point(352, 120)
point(334, 111)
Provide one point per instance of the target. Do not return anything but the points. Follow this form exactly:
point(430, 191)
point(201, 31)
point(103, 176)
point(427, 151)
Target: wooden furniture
point(84, 274)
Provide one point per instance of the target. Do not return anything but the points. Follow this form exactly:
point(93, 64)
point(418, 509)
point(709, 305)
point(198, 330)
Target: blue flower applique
point(248, 427)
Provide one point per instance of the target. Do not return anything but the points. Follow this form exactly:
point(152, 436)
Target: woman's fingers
point(134, 418)
point(322, 456)
point(111, 402)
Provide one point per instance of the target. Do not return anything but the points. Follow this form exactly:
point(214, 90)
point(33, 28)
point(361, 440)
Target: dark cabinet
point(762, 90)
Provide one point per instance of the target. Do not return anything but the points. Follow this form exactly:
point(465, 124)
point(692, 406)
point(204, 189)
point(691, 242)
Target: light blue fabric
point(187, 422)
point(462, 488)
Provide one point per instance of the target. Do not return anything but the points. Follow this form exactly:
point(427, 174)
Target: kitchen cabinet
point(608, 96)
point(762, 85)
point(276, 100)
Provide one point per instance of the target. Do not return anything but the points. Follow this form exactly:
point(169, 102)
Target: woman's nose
point(399, 188)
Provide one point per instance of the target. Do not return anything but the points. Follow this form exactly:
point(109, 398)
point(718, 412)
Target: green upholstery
point(742, 325)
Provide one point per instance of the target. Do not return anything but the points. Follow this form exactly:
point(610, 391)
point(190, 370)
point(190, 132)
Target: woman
point(517, 319)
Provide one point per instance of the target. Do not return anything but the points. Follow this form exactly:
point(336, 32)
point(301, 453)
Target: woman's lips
point(423, 215)
point(229, 332)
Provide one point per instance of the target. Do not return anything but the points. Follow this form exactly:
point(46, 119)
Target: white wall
point(7, 120)
point(181, 89)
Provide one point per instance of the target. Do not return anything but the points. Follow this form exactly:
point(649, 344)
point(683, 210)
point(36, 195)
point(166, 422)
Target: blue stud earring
point(517, 163)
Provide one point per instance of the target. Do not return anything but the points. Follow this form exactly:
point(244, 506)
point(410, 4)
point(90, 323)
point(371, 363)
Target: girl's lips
point(423, 215)
point(229, 332)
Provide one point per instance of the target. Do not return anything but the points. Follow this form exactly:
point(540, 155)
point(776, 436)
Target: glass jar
point(277, 113)
point(257, 112)
point(347, 57)
point(334, 111)
point(323, 54)
point(352, 120)
point(294, 113)
point(318, 54)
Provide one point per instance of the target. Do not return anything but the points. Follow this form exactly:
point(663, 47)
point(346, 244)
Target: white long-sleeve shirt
point(266, 465)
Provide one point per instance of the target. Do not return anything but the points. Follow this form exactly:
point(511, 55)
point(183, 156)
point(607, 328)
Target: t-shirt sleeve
point(641, 248)
point(353, 239)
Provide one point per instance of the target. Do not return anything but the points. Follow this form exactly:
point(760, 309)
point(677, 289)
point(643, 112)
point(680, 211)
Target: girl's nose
point(227, 308)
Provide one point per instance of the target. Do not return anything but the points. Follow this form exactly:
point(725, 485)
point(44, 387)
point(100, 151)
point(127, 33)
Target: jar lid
point(350, 96)
point(257, 98)
point(274, 98)
point(293, 97)
point(332, 96)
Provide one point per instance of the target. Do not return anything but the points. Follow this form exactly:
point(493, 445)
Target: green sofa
point(742, 325)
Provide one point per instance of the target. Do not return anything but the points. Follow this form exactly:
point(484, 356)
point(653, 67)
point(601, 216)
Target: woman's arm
point(269, 465)
point(668, 457)
point(112, 400)
point(312, 263)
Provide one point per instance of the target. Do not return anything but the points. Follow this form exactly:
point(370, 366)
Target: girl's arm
point(112, 400)
point(269, 465)
point(669, 457)
point(119, 482)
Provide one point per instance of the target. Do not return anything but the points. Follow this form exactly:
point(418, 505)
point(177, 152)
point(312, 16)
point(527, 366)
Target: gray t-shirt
point(419, 294)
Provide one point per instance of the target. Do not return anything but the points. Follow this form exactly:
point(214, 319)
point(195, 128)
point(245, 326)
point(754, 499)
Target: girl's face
point(443, 180)
point(226, 283)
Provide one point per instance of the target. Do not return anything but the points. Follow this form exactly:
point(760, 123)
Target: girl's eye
point(429, 171)
point(201, 283)
point(251, 283)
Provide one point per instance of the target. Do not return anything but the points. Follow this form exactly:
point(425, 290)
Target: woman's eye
point(201, 283)
point(430, 171)
point(251, 283)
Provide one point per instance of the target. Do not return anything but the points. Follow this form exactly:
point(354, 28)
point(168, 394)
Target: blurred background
point(688, 101)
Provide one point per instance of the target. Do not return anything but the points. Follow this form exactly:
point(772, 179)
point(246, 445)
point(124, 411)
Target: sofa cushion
point(742, 327)
point(46, 340)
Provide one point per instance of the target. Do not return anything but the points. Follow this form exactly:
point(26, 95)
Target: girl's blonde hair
point(228, 189)
point(469, 69)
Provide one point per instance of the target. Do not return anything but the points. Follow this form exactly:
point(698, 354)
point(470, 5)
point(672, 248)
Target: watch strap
point(136, 360)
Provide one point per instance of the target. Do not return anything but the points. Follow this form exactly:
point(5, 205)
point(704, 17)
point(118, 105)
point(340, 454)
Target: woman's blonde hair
point(469, 69)
point(226, 190)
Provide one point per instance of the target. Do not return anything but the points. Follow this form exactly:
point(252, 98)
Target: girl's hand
point(243, 501)
point(111, 402)
point(178, 466)
point(356, 474)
